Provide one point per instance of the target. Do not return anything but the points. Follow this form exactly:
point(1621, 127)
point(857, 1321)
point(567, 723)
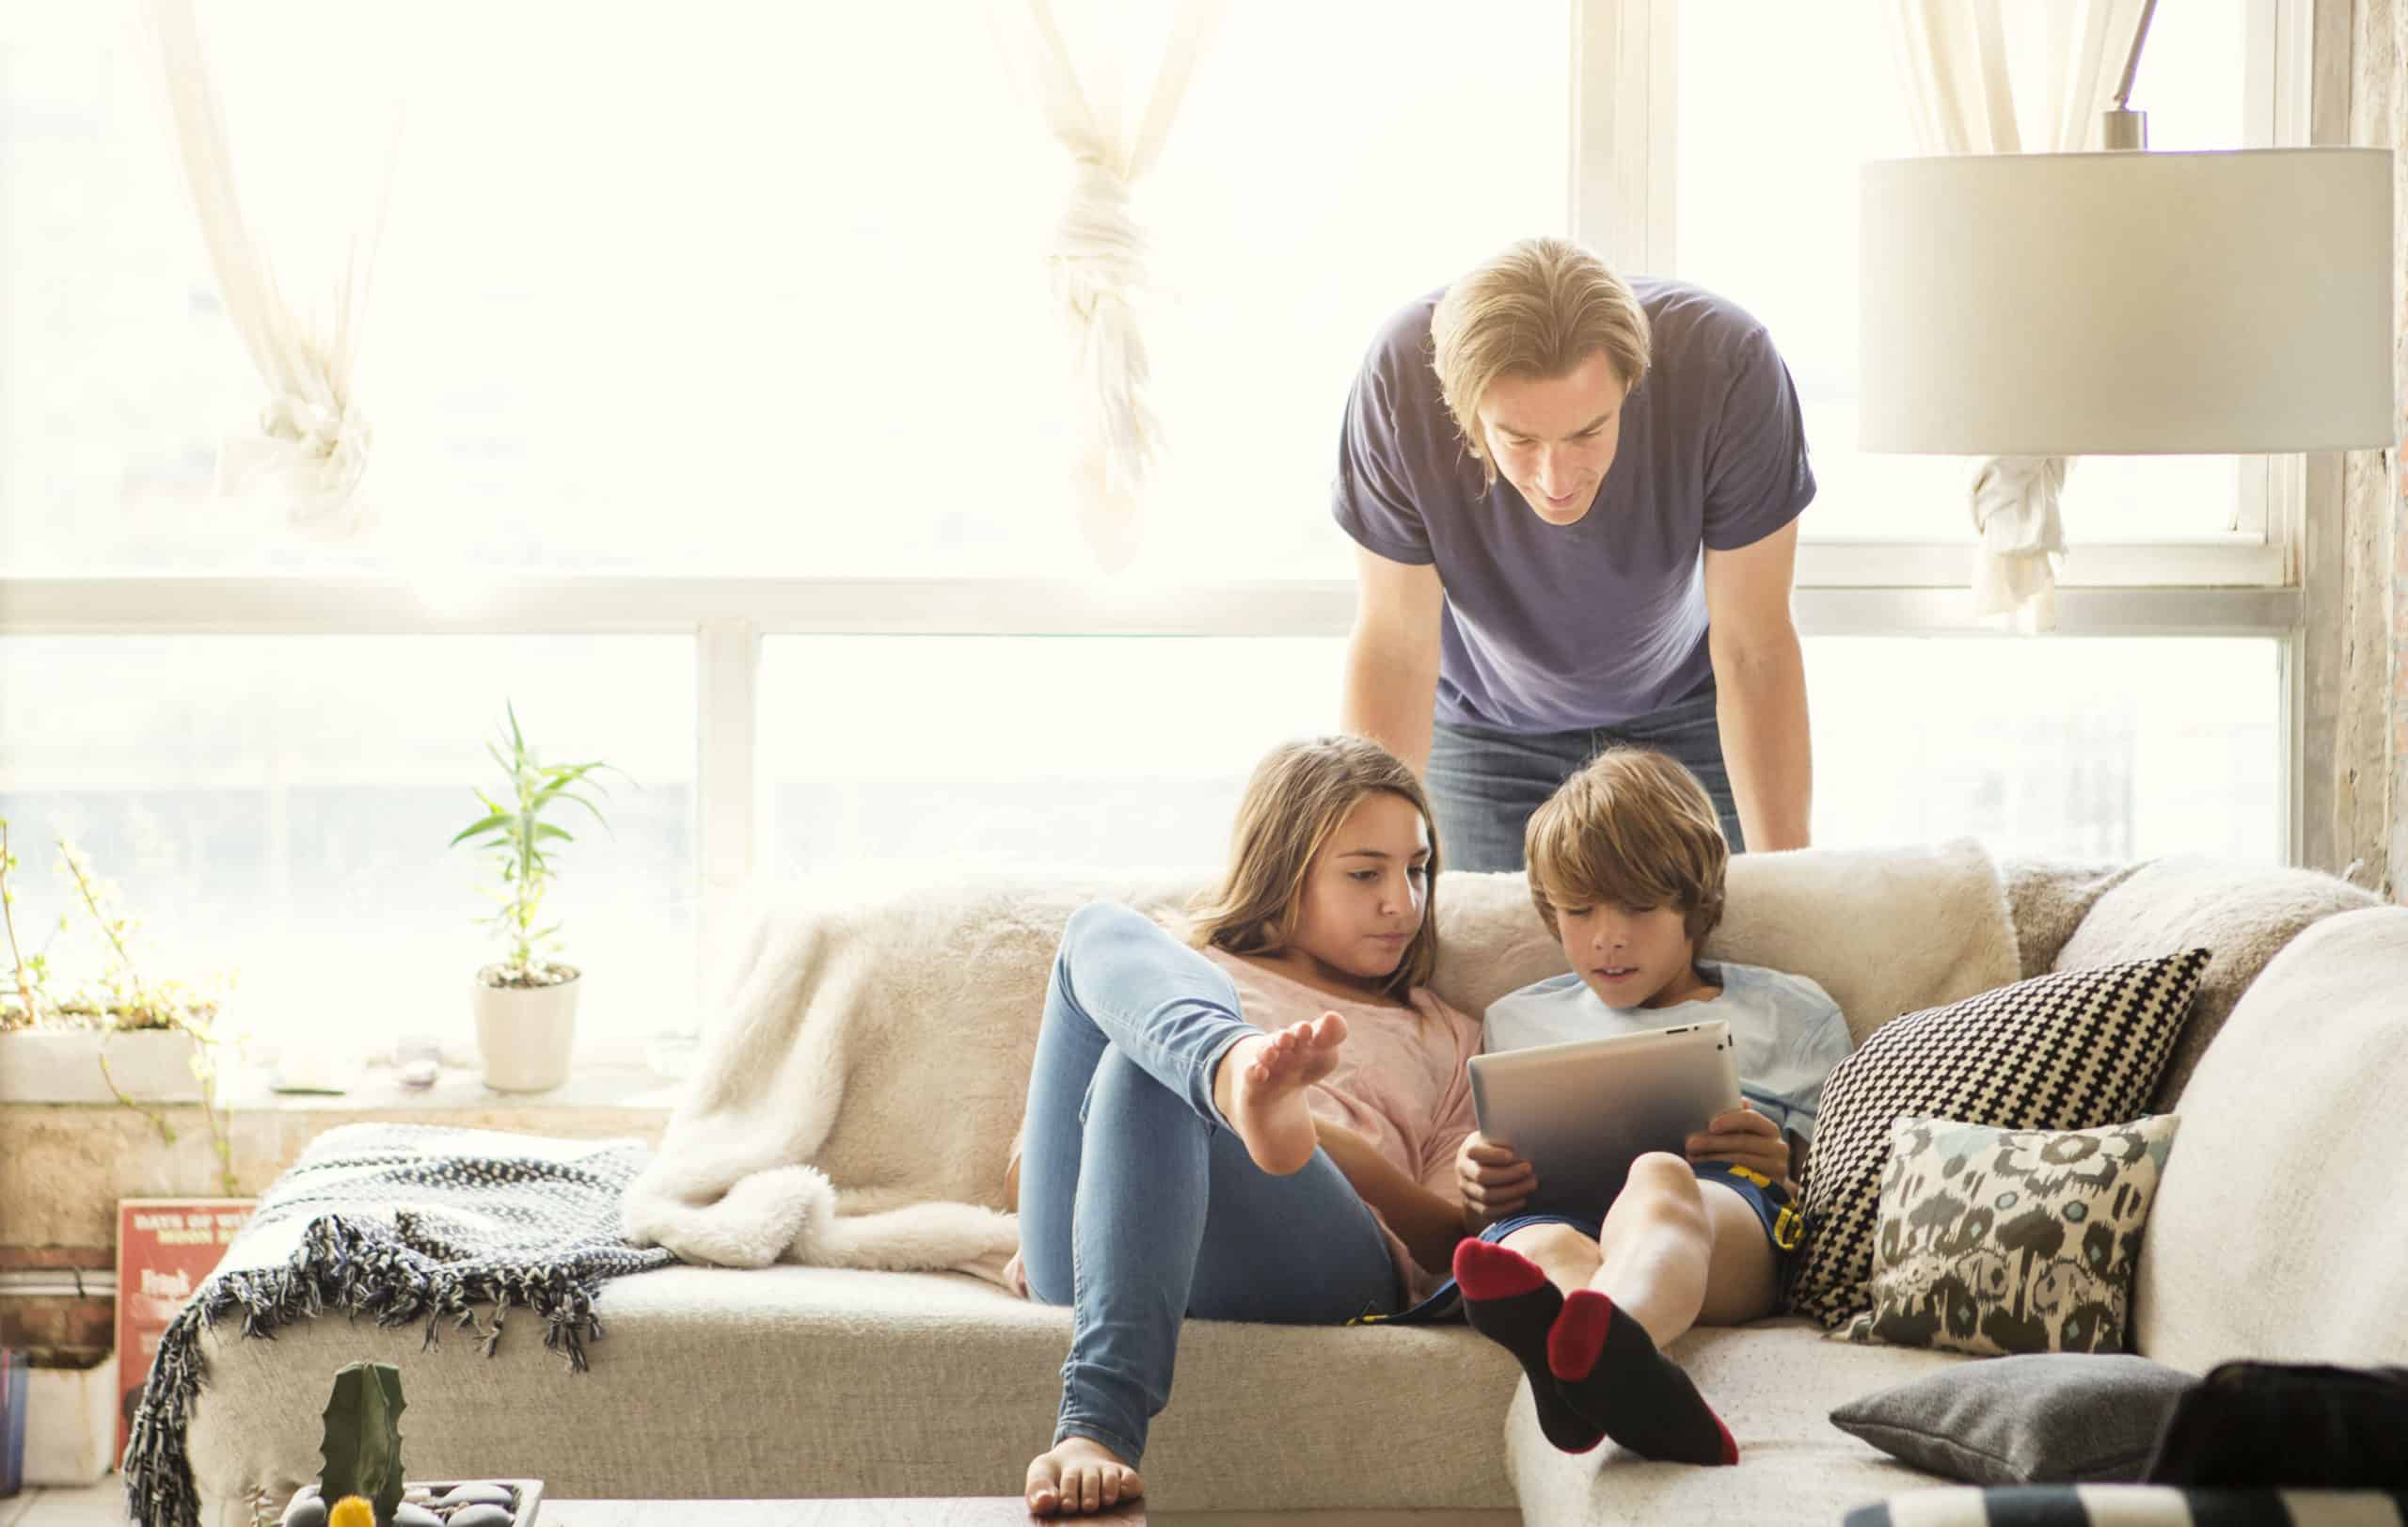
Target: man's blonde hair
point(1633, 828)
point(1538, 309)
point(1297, 797)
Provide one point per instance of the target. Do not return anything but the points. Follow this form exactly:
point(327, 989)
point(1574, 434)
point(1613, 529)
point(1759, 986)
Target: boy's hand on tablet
point(1494, 1182)
point(1744, 1137)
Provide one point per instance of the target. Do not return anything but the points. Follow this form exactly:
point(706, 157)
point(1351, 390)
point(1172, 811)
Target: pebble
point(477, 1495)
point(480, 1515)
point(409, 1515)
point(306, 1510)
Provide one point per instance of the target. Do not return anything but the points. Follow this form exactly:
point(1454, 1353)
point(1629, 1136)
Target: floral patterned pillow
point(1996, 1241)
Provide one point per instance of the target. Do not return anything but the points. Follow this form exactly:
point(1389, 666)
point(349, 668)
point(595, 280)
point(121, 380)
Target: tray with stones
point(446, 1503)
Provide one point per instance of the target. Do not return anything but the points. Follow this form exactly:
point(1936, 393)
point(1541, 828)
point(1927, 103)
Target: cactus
point(363, 1441)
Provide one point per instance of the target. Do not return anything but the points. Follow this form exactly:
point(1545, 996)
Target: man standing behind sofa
point(1575, 500)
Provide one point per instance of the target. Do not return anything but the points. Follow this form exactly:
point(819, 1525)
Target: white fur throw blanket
point(856, 1101)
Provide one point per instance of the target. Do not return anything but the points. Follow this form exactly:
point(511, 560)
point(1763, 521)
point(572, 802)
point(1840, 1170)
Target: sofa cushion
point(1997, 1241)
point(2244, 913)
point(813, 1381)
point(898, 965)
point(2277, 1229)
point(2072, 1050)
point(2046, 1418)
point(2049, 900)
point(1774, 1383)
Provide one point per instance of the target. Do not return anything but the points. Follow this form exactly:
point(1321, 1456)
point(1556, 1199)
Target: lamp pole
point(2119, 126)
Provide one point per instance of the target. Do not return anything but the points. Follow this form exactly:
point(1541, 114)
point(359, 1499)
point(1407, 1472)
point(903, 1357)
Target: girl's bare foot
point(1078, 1476)
point(1259, 1089)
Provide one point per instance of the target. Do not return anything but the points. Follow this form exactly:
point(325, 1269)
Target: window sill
point(629, 1087)
point(64, 1166)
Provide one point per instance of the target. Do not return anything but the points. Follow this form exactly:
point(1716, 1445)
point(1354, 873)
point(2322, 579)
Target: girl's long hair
point(1297, 797)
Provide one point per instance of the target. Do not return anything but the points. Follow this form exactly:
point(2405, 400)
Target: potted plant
point(526, 1004)
point(126, 1037)
point(362, 1452)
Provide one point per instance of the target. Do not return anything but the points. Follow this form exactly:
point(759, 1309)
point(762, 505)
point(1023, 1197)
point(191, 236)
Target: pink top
point(1402, 1083)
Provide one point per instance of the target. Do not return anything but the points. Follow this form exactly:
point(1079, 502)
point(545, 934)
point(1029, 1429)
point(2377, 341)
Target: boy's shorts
point(1785, 1227)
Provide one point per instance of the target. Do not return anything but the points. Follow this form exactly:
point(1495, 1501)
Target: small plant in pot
point(362, 1485)
point(124, 1036)
point(526, 1004)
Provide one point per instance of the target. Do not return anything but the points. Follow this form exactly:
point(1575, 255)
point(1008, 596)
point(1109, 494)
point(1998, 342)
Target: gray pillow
point(2046, 1418)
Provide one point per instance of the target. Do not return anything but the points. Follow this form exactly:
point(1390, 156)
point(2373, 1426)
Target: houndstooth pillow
point(2072, 1050)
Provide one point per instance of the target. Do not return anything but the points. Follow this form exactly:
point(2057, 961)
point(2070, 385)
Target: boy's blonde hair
point(1538, 309)
point(1633, 828)
point(1297, 797)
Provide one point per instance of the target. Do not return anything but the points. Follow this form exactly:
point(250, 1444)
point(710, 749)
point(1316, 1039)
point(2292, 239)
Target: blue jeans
point(1138, 1206)
point(1484, 784)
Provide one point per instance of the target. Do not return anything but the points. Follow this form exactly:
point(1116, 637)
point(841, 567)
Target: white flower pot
point(525, 1033)
point(63, 1065)
point(71, 1426)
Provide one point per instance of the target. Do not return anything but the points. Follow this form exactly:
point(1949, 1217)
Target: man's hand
point(1744, 1137)
point(1494, 1182)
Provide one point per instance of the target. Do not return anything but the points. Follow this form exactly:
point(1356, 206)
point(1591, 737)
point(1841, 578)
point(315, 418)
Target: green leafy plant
point(121, 1001)
point(513, 830)
point(362, 1447)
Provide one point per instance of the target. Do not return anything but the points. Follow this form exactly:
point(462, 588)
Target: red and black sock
point(1508, 1300)
point(1607, 1371)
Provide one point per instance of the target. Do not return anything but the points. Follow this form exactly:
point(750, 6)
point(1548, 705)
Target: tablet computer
point(1581, 1112)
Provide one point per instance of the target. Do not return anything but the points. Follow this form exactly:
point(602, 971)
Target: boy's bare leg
point(1680, 1252)
point(1672, 1251)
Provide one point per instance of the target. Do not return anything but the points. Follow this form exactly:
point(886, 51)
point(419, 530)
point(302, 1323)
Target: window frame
point(1620, 199)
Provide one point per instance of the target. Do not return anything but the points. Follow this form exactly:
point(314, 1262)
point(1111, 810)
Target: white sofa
point(2277, 1233)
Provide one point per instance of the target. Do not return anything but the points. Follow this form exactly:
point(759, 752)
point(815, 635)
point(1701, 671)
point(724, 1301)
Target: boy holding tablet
point(1627, 864)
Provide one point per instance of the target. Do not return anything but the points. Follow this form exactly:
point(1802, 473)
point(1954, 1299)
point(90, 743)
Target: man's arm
point(1760, 673)
point(1428, 1223)
point(1391, 683)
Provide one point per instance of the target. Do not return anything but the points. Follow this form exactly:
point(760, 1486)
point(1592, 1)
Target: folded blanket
point(401, 1222)
point(855, 1105)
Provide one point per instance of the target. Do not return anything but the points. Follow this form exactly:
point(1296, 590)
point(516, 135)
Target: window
point(680, 361)
point(277, 807)
point(1099, 753)
point(1768, 143)
point(792, 317)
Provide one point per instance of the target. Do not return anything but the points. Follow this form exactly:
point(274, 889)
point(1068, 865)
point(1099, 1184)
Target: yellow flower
point(352, 1511)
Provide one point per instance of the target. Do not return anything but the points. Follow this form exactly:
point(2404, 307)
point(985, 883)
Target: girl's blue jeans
point(1139, 1206)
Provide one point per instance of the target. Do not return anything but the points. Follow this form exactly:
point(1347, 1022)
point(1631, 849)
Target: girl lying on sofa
point(1194, 1143)
point(1170, 1163)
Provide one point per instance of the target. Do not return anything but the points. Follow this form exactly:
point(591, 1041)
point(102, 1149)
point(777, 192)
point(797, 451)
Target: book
point(165, 1249)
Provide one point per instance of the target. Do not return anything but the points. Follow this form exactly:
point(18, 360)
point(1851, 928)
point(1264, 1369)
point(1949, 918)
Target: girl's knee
point(1094, 919)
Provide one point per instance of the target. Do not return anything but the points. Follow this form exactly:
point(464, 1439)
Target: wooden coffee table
point(981, 1511)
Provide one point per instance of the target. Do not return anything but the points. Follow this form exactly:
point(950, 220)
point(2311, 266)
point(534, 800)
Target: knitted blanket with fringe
point(400, 1223)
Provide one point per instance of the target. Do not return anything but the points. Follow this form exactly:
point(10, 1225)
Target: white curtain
point(292, 224)
point(1974, 71)
point(1097, 260)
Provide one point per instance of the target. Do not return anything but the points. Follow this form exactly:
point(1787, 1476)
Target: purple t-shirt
point(1562, 628)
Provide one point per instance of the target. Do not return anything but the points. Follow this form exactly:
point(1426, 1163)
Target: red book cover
point(164, 1249)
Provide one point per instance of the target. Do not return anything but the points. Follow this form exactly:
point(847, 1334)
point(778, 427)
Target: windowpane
point(1767, 164)
point(280, 806)
point(2076, 748)
point(792, 316)
point(1132, 752)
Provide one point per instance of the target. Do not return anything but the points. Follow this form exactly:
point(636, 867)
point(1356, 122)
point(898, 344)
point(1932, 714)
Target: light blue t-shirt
point(1786, 1030)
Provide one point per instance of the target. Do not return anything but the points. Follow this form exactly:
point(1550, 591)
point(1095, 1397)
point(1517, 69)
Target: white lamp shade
point(2128, 304)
